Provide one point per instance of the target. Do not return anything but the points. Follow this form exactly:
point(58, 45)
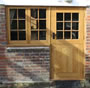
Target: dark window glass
point(42, 24)
point(75, 16)
point(34, 24)
point(59, 16)
point(34, 35)
point(34, 13)
point(13, 13)
point(67, 35)
point(75, 26)
point(13, 24)
point(42, 13)
point(67, 16)
point(21, 24)
point(59, 25)
point(67, 26)
point(42, 35)
point(59, 35)
point(13, 35)
point(22, 35)
point(21, 13)
point(74, 35)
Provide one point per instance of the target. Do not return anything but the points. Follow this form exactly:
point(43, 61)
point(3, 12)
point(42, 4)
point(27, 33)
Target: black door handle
point(54, 35)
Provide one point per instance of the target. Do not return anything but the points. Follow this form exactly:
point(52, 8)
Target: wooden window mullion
point(38, 23)
point(63, 25)
point(17, 26)
point(28, 25)
point(71, 25)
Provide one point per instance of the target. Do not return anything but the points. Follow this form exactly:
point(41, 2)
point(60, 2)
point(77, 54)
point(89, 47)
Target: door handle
point(54, 35)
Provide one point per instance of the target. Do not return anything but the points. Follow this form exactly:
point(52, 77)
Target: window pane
point(67, 26)
point(75, 26)
point(59, 35)
point(59, 25)
point(75, 16)
point(13, 35)
point(59, 16)
point(42, 13)
point(67, 35)
point(34, 13)
point(21, 24)
point(42, 24)
point(34, 24)
point(34, 35)
point(13, 13)
point(74, 35)
point(13, 24)
point(42, 35)
point(21, 13)
point(67, 16)
point(22, 35)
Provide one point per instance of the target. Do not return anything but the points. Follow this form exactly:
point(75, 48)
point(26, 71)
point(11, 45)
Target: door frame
point(66, 9)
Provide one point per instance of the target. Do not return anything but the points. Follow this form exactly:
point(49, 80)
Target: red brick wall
point(27, 63)
point(87, 70)
point(2, 27)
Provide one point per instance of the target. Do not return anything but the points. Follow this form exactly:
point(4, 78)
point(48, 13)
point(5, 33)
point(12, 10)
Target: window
point(67, 25)
point(17, 24)
point(27, 25)
point(38, 24)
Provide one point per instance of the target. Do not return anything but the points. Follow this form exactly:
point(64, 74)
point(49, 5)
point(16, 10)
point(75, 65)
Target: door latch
point(54, 35)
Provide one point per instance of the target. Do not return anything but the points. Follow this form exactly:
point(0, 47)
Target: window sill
point(28, 45)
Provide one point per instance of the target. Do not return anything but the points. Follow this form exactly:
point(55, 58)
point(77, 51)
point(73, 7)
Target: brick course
point(87, 69)
point(24, 64)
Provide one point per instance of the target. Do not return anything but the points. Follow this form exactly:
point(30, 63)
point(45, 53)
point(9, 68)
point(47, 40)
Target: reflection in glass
point(67, 25)
point(34, 13)
point(74, 35)
point(34, 24)
point(13, 13)
point(34, 35)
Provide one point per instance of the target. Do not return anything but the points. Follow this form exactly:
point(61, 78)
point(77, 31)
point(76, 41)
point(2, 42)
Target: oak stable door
point(67, 43)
